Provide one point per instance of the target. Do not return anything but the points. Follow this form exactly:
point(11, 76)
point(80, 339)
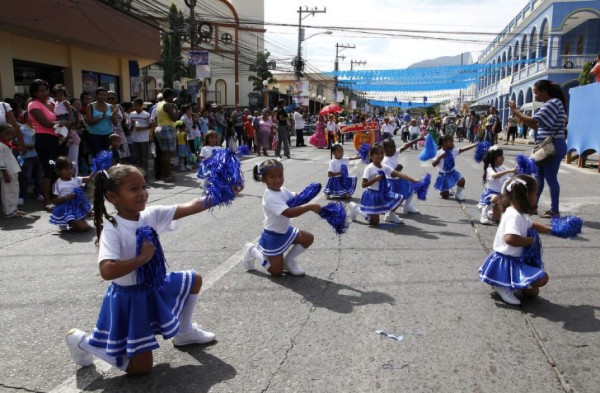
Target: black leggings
point(48, 149)
point(511, 131)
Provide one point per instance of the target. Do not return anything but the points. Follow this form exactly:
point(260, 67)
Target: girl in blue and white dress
point(494, 177)
point(505, 268)
point(378, 198)
point(339, 183)
point(448, 176)
point(399, 185)
point(137, 307)
point(71, 204)
point(209, 146)
point(278, 235)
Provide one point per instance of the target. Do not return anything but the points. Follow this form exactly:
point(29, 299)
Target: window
point(92, 80)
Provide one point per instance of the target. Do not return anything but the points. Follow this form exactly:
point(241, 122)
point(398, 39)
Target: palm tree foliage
point(263, 71)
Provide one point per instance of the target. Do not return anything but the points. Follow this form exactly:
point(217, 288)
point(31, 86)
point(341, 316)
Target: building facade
point(553, 38)
point(83, 45)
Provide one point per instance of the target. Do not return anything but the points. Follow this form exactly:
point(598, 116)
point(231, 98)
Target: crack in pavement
point(565, 385)
point(308, 315)
point(20, 388)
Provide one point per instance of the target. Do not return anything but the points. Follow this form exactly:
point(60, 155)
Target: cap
point(250, 117)
point(178, 123)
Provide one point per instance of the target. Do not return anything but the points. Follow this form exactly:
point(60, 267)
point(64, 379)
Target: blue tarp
point(584, 118)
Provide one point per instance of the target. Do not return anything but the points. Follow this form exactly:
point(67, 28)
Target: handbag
point(544, 150)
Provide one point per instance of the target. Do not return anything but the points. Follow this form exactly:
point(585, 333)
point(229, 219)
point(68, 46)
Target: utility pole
point(338, 49)
point(298, 62)
point(352, 63)
point(193, 40)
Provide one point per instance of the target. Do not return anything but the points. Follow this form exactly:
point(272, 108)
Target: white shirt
point(335, 165)
point(208, 151)
point(66, 187)
point(496, 184)
point(60, 108)
point(392, 161)
point(454, 152)
point(118, 243)
point(8, 160)
point(4, 109)
point(414, 130)
point(274, 203)
point(387, 128)
point(142, 120)
point(331, 126)
point(298, 121)
point(371, 171)
point(511, 223)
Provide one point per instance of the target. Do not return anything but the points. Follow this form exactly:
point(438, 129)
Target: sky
point(387, 50)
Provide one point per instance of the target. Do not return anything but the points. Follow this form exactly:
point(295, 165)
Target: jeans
point(139, 150)
point(549, 172)
point(282, 137)
point(31, 172)
point(489, 135)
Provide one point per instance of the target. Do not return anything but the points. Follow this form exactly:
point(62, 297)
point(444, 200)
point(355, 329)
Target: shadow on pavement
point(327, 294)
point(196, 378)
point(580, 318)
point(18, 223)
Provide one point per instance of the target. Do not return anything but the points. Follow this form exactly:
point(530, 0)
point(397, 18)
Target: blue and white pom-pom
point(225, 176)
point(429, 150)
point(363, 152)
point(153, 273)
point(566, 227)
point(422, 186)
point(243, 150)
point(532, 255)
point(525, 165)
point(335, 215)
point(102, 161)
point(305, 196)
point(480, 150)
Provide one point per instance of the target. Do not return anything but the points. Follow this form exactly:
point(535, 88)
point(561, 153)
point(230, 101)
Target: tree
point(585, 78)
point(263, 71)
point(171, 60)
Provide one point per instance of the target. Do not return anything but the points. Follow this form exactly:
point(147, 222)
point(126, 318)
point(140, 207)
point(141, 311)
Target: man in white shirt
point(299, 126)
point(386, 128)
point(140, 123)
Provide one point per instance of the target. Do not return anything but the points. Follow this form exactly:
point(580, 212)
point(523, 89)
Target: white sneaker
point(193, 336)
point(20, 202)
point(79, 356)
point(63, 227)
point(486, 221)
point(353, 211)
point(459, 196)
point(187, 167)
point(40, 198)
point(292, 267)
point(248, 258)
point(507, 295)
point(410, 209)
point(393, 218)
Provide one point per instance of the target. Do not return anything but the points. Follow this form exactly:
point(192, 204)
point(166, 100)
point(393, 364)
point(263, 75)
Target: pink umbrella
point(331, 108)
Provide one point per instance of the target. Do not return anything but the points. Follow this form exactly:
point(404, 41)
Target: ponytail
point(101, 186)
point(263, 168)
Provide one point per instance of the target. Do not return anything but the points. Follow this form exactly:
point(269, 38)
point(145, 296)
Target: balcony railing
point(575, 61)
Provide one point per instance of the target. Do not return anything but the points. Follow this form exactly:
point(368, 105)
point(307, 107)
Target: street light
point(328, 32)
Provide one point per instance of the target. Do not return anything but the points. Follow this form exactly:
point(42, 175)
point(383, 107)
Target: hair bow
point(513, 181)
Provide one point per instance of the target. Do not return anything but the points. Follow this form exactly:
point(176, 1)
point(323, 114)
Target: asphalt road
point(318, 333)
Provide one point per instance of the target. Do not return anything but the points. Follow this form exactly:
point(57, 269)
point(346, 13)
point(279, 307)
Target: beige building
point(81, 44)
point(232, 47)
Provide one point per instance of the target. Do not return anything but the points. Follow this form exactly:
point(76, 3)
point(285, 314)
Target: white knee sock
point(256, 254)
point(185, 319)
point(296, 250)
point(408, 201)
point(101, 354)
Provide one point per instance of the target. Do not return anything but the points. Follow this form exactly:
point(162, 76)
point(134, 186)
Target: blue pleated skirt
point(486, 197)
point(131, 316)
point(446, 181)
point(338, 186)
point(373, 202)
point(401, 186)
point(272, 243)
point(511, 272)
point(75, 209)
point(203, 172)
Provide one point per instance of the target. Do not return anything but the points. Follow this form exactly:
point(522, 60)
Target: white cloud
point(392, 50)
